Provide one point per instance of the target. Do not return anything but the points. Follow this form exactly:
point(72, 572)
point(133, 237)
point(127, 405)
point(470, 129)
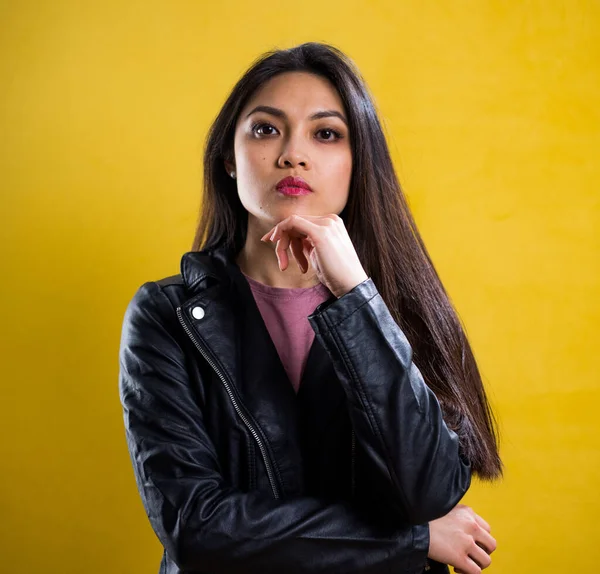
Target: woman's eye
point(329, 135)
point(264, 129)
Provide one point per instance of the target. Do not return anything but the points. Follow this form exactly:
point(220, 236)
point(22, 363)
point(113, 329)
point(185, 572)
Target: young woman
point(302, 397)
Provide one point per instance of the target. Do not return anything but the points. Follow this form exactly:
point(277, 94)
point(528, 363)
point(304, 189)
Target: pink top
point(285, 312)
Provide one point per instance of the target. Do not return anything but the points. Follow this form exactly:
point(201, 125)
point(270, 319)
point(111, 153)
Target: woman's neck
point(258, 261)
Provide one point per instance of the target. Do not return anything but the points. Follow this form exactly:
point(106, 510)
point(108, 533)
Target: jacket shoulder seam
point(170, 281)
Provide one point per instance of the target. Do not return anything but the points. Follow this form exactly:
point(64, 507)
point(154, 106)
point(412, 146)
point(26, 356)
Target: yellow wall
point(493, 113)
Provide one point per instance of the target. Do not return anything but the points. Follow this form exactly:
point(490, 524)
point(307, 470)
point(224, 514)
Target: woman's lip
point(291, 181)
point(290, 190)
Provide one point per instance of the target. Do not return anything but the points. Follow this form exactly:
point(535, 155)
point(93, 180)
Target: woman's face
point(295, 125)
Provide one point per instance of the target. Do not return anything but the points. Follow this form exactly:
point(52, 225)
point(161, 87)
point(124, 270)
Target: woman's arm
point(396, 417)
point(203, 523)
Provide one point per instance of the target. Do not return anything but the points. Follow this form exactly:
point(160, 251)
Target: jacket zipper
point(235, 404)
point(353, 466)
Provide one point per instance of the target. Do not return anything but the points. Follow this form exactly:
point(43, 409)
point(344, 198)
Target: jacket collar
point(201, 268)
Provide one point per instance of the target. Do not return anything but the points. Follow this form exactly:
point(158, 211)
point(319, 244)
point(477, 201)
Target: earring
point(232, 174)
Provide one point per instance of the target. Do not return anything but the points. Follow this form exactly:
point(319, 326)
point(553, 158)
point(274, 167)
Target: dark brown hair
point(376, 214)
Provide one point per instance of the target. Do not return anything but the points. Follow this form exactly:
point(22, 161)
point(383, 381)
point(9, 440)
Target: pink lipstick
point(293, 186)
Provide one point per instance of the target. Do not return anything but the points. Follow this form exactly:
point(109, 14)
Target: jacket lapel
point(235, 335)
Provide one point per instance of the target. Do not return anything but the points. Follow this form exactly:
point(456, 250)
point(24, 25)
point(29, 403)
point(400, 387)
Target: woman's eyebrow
point(281, 114)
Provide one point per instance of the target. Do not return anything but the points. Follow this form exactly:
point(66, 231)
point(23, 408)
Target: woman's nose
point(292, 157)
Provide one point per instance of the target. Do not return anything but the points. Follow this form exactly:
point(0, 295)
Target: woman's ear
point(230, 168)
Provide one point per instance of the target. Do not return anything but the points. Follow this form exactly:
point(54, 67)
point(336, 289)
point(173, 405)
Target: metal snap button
point(197, 312)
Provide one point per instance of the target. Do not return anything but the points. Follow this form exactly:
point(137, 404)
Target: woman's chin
point(284, 211)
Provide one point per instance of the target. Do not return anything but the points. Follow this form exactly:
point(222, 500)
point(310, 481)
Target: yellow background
point(493, 113)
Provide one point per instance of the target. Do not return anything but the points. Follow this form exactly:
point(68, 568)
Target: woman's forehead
point(297, 93)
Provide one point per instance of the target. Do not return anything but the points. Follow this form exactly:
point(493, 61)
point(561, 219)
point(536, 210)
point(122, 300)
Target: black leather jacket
point(239, 475)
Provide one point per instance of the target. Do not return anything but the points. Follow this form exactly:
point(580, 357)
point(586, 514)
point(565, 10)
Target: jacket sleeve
point(203, 523)
point(396, 417)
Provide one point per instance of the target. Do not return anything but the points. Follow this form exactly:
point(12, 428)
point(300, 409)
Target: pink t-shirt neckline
point(285, 312)
point(285, 292)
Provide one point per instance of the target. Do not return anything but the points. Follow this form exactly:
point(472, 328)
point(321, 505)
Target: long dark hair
point(376, 214)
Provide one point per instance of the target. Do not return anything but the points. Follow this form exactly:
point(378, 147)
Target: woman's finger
point(297, 248)
point(268, 234)
point(297, 226)
point(470, 567)
point(483, 523)
point(318, 220)
point(480, 557)
point(486, 541)
point(283, 244)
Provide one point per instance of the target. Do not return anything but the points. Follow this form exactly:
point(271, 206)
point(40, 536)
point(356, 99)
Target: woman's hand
point(461, 539)
point(324, 242)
